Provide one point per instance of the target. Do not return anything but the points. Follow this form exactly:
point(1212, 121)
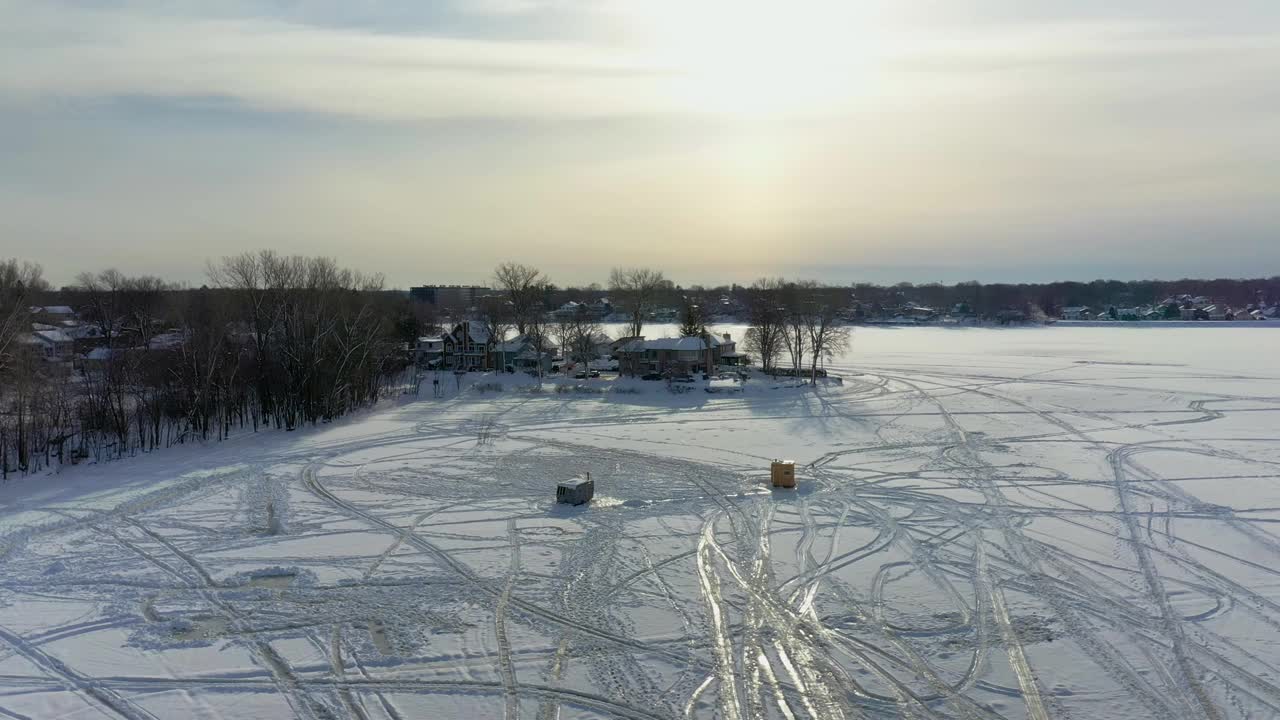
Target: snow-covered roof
point(57, 310)
point(100, 353)
point(479, 333)
point(167, 341)
point(574, 483)
point(82, 331)
point(52, 336)
point(682, 343)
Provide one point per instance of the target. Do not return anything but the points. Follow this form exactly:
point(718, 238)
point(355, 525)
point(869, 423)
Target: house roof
point(479, 333)
point(682, 343)
point(79, 332)
point(167, 341)
point(52, 336)
point(57, 310)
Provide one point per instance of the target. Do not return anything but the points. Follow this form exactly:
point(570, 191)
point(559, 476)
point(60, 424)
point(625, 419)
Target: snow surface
point(1021, 523)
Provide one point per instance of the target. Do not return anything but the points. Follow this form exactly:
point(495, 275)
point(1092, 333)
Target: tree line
point(275, 341)
point(983, 300)
point(272, 341)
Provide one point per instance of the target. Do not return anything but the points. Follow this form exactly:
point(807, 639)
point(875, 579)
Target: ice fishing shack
point(783, 473)
point(576, 491)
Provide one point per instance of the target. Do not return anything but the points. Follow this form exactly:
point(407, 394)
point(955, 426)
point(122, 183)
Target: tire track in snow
point(312, 484)
point(1155, 586)
point(721, 644)
point(93, 691)
point(1012, 643)
point(261, 650)
point(505, 669)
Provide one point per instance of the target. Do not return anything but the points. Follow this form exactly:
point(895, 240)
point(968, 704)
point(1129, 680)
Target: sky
point(716, 140)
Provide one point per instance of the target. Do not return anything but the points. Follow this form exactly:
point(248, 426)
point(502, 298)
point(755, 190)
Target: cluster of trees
point(282, 341)
point(796, 321)
point(643, 291)
point(523, 296)
point(273, 341)
point(986, 300)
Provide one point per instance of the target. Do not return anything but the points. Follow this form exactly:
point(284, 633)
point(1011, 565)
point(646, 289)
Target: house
point(1077, 312)
point(465, 347)
point(99, 358)
point(677, 355)
point(53, 313)
point(428, 352)
point(86, 337)
point(595, 309)
point(521, 354)
point(54, 345)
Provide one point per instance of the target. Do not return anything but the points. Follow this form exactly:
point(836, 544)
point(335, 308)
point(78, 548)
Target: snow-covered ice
point(1023, 523)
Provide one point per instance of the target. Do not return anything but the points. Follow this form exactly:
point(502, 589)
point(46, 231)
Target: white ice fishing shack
point(576, 491)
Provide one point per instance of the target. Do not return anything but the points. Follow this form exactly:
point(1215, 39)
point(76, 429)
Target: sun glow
point(754, 57)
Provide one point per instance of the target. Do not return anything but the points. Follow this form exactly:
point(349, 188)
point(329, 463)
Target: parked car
point(651, 376)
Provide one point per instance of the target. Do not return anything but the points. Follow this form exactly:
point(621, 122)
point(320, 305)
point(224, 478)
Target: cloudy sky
point(719, 140)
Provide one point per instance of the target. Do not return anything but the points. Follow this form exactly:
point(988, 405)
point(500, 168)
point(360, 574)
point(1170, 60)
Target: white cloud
point(711, 62)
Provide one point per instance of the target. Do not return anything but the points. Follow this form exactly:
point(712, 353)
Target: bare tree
point(637, 291)
point(495, 316)
point(766, 314)
point(795, 334)
point(104, 301)
point(577, 334)
point(523, 286)
point(538, 330)
point(826, 336)
point(18, 281)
